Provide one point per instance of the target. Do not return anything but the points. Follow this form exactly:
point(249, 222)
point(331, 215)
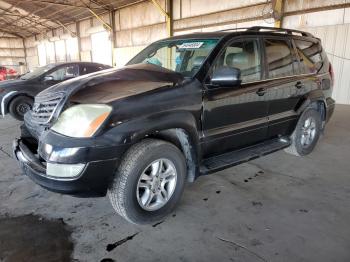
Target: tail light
point(331, 73)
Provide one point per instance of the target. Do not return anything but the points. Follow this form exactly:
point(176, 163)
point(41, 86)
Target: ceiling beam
point(10, 33)
point(61, 4)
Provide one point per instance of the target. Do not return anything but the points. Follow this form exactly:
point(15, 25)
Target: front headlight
point(82, 120)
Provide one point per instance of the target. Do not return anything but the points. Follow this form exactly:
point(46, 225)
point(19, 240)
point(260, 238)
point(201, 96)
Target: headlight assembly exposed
point(82, 120)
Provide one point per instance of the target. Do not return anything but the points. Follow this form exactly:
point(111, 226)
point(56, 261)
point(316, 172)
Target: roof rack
point(270, 29)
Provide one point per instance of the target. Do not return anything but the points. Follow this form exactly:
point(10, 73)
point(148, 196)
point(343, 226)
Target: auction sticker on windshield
point(192, 45)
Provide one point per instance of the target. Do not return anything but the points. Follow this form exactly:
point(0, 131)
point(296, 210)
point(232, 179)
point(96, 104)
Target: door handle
point(261, 91)
point(299, 85)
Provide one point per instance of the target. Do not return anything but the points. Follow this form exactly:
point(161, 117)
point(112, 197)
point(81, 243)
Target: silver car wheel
point(308, 132)
point(156, 184)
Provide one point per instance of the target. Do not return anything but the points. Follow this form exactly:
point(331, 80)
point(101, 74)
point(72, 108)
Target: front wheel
point(306, 133)
point(19, 106)
point(149, 182)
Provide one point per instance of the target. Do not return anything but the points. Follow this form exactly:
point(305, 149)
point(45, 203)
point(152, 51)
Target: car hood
point(12, 83)
point(111, 84)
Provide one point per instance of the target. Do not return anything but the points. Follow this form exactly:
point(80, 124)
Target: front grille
point(45, 107)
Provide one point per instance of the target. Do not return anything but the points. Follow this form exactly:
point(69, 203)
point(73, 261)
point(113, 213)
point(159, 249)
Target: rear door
point(235, 117)
point(309, 52)
point(282, 85)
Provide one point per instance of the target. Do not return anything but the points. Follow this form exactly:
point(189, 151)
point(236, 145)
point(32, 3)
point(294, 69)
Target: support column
point(168, 14)
point(277, 7)
point(77, 30)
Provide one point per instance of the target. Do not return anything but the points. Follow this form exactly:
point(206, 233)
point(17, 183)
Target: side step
point(220, 162)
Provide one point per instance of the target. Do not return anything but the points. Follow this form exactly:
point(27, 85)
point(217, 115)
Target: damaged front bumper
point(97, 166)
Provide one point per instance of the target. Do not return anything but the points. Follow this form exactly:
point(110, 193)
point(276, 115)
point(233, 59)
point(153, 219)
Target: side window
point(244, 56)
point(279, 58)
point(310, 56)
point(66, 72)
point(90, 69)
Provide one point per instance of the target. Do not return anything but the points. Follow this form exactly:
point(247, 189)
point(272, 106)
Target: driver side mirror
point(48, 78)
point(226, 77)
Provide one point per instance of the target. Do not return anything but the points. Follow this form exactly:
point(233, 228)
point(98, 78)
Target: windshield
point(182, 56)
point(37, 72)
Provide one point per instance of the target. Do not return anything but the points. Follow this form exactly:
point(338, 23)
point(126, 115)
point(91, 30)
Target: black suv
point(183, 107)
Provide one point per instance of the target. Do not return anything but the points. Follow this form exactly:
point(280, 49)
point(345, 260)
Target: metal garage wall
point(12, 53)
point(141, 24)
point(137, 26)
point(334, 32)
point(31, 52)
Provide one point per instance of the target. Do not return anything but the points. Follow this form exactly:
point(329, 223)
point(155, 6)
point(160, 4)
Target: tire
point(19, 106)
point(299, 146)
point(127, 196)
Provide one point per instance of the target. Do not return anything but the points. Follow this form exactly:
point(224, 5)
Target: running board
point(220, 162)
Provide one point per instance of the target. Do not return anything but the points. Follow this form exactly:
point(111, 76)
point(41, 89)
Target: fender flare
point(4, 101)
point(178, 127)
point(312, 97)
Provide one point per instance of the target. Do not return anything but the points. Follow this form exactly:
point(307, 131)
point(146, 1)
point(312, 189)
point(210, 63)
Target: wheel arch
point(12, 97)
point(178, 128)
point(182, 140)
point(316, 100)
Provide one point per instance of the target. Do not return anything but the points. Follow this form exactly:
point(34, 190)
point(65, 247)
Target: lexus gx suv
point(183, 107)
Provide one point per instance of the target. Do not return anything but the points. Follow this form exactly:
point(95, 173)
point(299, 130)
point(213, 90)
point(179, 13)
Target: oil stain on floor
point(32, 238)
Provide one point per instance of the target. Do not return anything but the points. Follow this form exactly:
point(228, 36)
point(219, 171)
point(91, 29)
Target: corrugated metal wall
point(335, 40)
point(333, 28)
point(12, 53)
point(140, 24)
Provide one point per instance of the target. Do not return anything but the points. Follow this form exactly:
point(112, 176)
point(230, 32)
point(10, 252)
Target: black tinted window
point(310, 56)
point(65, 72)
point(279, 58)
point(244, 56)
point(90, 69)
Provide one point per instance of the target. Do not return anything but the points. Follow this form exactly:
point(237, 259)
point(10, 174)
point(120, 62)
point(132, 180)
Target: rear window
point(310, 56)
point(87, 69)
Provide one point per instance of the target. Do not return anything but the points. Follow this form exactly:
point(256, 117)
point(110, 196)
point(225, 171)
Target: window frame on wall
point(295, 59)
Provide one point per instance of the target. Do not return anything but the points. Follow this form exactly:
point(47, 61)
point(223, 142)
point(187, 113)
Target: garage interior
point(276, 208)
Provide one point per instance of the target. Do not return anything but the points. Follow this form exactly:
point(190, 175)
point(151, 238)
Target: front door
point(235, 117)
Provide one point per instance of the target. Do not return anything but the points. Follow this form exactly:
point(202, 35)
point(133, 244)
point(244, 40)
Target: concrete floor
point(277, 208)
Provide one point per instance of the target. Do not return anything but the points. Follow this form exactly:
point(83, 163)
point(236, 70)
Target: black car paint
point(211, 124)
point(32, 87)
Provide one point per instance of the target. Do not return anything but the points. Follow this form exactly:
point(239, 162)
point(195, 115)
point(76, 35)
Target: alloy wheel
point(156, 184)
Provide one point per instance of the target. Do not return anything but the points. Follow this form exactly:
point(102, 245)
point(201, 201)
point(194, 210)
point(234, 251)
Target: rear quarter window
point(310, 56)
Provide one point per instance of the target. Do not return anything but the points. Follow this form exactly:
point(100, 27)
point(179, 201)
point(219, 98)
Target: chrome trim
point(282, 77)
point(237, 126)
point(47, 98)
point(3, 102)
point(284, 114)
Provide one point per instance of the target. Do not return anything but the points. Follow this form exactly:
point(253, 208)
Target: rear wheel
point(306, 133)
point(149, 182)
point(19, 106)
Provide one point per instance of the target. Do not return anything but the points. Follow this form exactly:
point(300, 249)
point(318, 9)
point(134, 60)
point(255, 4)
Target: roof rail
point(271, 29)
point(286, 30)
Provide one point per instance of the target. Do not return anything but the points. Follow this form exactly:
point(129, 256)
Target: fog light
point(64, 170)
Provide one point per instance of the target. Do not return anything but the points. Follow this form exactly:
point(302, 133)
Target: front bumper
point(93, 181)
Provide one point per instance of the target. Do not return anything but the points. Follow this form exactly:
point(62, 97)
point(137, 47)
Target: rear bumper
point(93, 181)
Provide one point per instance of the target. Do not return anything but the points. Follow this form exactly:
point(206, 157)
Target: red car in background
point(6, 73)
